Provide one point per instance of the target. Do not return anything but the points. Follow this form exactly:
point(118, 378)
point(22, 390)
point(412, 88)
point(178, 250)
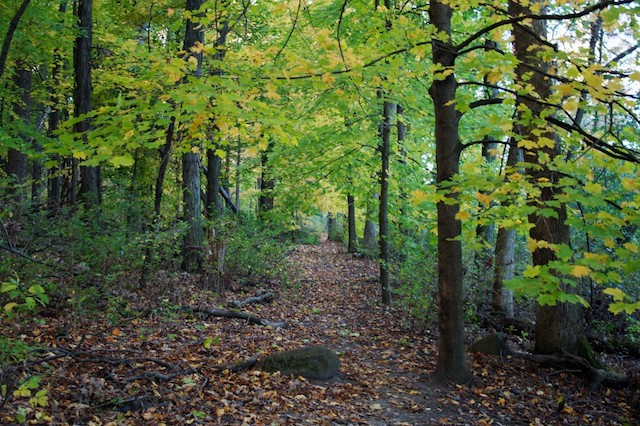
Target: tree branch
point(13, 25)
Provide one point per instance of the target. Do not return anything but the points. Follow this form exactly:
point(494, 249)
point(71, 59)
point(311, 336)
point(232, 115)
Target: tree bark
point(559, 328)
point(13, 25)
point(162, 169)
point(351, 221)
point(370, 229)
point(193, 248)
point(89, 176)
point(452, 363)
point(54, 193)
point(383, 208)
point(214, 163)
point(502, 298)
point(17, 166)
point(267, 184)
point(193, 244)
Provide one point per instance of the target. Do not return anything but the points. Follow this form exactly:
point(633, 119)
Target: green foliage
point(13, 351)
point(415, 277)
point(253, 249)
point(21, 298)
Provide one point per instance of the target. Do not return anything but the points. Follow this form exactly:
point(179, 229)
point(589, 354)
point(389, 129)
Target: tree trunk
point(351, 221)
point(192, 249)
point(13, 25)
point(452, 363)
point(383, 212)
point(54, 193)
point(267, 184)
point(162, 169)
point(193, 244)
point(370, 229)
point(502, 298)
point(559, 328)
point(17, 162)
point(238, 162)
point(334, 233)
point(89, 176)
point(214, 163)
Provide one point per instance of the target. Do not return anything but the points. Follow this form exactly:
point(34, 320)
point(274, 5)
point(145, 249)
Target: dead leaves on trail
point(164, 366)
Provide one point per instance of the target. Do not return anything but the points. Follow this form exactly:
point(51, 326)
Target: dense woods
point(161, 159)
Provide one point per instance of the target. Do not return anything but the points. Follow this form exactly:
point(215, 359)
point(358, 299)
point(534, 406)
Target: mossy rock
point(493, 344)
point(314, 362)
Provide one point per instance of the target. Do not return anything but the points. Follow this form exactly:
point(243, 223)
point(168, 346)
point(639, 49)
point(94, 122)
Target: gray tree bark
point(192, 248)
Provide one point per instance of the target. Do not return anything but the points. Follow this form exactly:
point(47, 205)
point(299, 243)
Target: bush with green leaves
point(253, 249)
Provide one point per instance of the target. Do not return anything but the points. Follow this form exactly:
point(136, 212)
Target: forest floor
point(154, 363)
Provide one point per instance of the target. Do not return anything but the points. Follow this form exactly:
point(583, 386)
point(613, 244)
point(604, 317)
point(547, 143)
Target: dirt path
point(381, 360)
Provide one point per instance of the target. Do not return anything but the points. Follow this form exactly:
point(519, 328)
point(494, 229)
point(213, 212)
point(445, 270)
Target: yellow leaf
point(463, 215)
point(9, 306)
point(617, 294)
point(418, 197)
point(170, 12)
point(328, 78)
point(609, 243)
point(193, 60)
point(593, 188)
point(195, 149)
point(271, 92)
point(633, 248)
point(580, 271)
point(527, 144)
point(197, 47)
point(129, 134)
point(635, 76)
point(546, 142)
point(484, 198)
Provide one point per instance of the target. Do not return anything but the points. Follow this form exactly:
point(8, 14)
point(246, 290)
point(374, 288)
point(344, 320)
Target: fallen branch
point(226, 313)
point(597, 376)
point(253, 299)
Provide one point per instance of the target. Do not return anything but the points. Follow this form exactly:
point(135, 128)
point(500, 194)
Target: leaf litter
point(163, 365)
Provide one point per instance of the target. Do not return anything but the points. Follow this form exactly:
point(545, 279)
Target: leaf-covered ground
point(161, 365)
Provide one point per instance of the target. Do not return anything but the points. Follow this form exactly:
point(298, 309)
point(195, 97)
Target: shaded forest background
point(486, 155)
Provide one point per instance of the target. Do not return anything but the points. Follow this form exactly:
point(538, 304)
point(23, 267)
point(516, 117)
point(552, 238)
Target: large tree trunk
point(192, 249)
point(452, 362)
point(370, 228)
point(351, 224)
point(559, 328)
point(89, 176)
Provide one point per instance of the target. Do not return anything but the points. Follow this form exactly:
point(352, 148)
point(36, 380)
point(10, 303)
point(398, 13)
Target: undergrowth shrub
point(256, 250)
point(415, 276)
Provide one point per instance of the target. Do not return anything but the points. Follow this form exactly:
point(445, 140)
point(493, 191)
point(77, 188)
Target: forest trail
point(337, 299)
point(147, 361)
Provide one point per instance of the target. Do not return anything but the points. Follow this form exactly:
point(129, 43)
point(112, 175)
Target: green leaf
point(122, 160)
point(9, 307)
point(7, 287)
point(617, 294)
